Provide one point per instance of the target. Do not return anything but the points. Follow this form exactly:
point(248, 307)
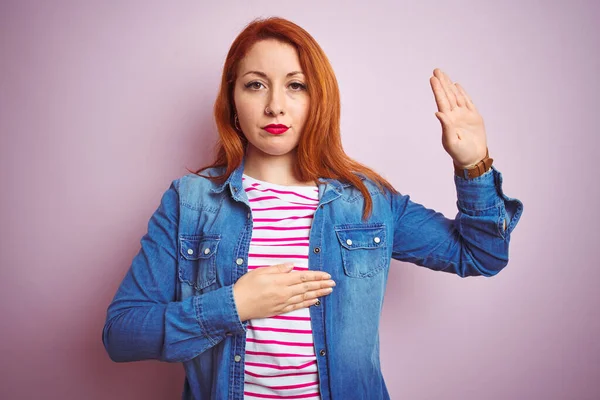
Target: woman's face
point(271, 89)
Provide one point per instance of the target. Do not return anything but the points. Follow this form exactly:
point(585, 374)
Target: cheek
point(248, 111)
point(245, 104)
point(301, 111)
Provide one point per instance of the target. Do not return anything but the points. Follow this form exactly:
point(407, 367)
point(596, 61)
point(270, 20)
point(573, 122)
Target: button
point(349, 242)
point(190, 251)
point(239, 261)
point(235, 189)
point(206, 251)
point(316, 249)
point(237, 358)
point(322, 352)
point(377, 240)
point(318, 303)
point(248, 215)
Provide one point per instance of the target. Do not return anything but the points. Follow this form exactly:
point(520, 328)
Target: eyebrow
point(260, 73)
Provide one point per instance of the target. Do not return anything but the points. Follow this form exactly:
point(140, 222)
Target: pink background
point(103, 103)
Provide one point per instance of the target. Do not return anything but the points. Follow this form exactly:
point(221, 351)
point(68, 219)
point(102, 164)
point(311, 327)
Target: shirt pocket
point(198, 255)
point(363, 247)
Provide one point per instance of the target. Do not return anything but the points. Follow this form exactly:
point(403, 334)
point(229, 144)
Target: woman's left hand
point(463, 131)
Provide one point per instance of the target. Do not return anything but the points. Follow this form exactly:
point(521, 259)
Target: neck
point(274, 169)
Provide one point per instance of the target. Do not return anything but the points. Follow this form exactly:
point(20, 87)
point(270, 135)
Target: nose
point(275, 105)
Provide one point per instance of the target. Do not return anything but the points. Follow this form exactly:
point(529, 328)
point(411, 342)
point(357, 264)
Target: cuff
point(485, 192)
point(479, 193)
point(217, 314)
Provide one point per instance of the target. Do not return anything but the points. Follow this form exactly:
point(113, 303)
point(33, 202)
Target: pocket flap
point(197, 247)
point(361, 236)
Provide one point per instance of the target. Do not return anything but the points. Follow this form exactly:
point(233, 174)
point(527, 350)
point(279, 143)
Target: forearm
point(173, 332)
point(485, 219)
point(474, 243)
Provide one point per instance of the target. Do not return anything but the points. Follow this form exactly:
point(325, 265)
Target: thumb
point(442, 118)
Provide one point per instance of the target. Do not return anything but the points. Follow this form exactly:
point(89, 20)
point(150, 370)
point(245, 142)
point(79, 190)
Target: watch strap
point(477, 170)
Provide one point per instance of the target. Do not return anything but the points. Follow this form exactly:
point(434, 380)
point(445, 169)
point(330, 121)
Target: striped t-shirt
point(280, 361)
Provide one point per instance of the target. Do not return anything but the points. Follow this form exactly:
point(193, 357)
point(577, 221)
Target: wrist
point(474, 170)
point(238, 305)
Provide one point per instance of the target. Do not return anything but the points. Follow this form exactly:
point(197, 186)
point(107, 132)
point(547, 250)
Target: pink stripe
point(293, 269)
point(281, 367)
point(279, 375)
point(274, 197)
point(304, 344)
point(294, 386)
point(282, 192)
point(264, 198)
point(280, 228)
point(286, 208)
point(266, 353)
point(263, 328)
point(274, 396)
point(280, 219)
point(288, 244)
point(291, 318)
point(278, 239)
point(301, 385)
point(277, 255)
point(257, 185)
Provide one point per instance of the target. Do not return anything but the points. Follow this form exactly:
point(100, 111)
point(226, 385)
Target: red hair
point(320, 139)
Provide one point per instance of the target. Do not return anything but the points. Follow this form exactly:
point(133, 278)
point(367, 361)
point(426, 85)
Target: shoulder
point(193, 188)
point(197, 179)
point(353, 193)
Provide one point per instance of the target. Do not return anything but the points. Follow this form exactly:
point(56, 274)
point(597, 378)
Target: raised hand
point(463, 131)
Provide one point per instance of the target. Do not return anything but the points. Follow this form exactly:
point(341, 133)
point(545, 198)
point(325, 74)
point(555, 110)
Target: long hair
point(319, 152)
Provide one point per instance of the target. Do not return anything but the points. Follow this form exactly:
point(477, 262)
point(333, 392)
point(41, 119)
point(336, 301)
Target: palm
point(463, 130)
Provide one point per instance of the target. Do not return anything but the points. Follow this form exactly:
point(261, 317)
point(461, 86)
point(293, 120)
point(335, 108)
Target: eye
point(254, 85)
point(297, 86)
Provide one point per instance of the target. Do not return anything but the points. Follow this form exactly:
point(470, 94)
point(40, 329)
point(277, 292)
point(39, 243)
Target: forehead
point(272, 57)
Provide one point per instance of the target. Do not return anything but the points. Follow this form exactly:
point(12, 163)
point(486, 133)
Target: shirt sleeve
point(144, 320)
point(476, 242)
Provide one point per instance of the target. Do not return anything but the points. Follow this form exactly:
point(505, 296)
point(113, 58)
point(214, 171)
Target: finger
point(297, 306)
point(452, 87)
point(460, 99)
point(296, 277)
point(446, 86)
point(304, 287)
point(309, 295)
point(468, 101)
point(441, 100)
point(278, 268)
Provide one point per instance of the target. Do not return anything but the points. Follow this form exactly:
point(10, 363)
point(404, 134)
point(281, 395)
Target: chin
point(275, 151)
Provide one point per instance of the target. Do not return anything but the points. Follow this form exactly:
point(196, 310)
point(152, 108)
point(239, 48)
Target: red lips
point(276, 129)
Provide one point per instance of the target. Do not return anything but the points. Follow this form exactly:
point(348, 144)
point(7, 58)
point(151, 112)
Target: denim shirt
point(176, 301)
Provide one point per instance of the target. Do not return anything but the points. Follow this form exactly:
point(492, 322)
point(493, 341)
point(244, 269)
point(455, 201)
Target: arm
point(144, 320)
point(474, 243)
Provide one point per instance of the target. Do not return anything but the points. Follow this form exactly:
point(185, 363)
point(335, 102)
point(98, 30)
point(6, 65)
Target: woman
point(234, 277)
